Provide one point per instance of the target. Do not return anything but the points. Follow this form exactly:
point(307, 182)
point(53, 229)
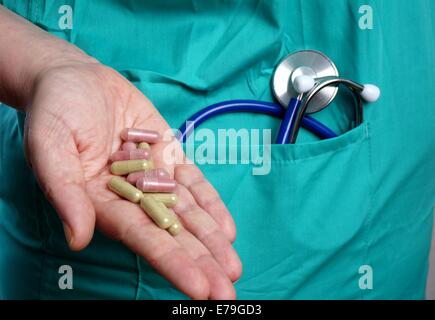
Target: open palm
point(73, 125)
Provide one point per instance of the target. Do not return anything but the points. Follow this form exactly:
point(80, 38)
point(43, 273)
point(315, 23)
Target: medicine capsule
point(151, 164)
point(175, 228)
point(124, 189)
point(153, 173)
point(135, 154)
point(140, 135)
point(157, 212)
point(168, 199)
point(153, 184)
point(143, 145)
point(128, 166)
point(128, 146)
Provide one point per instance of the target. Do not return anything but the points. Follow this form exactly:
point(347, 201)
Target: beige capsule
point(157, 212)
point(128, 166)
point(176, 227)
point(168, 199)
point(151, 164)
point(143, 145)
point(124, 189)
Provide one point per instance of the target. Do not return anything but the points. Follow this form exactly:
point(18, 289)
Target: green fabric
point(325, 209)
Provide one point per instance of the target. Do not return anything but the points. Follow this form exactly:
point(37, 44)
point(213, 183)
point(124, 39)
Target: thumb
point(59, 173)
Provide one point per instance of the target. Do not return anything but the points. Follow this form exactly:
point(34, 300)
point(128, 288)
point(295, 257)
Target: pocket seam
point(369, 212)
point(356, 140)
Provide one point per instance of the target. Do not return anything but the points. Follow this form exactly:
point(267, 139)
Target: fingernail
point(68, 234)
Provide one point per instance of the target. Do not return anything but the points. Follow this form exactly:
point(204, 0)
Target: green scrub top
point(345, 218)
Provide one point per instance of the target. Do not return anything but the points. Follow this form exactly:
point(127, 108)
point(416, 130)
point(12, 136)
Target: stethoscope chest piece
point(304, 63)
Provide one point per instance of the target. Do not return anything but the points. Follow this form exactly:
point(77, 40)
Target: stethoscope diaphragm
point(310, 63)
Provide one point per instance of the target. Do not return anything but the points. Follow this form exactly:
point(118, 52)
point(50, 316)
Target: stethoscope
point(304, 82)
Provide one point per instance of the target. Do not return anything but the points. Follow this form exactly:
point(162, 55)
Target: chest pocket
point(302, 228)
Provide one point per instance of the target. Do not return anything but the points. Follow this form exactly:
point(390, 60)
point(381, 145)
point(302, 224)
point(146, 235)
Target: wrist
point(27, 52)
point(61, 55)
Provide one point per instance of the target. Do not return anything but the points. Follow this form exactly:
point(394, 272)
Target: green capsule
point(157, 212)
point(143, 145)
point(125, 190)
point(128, 166)
point(151, 164)
point(168, 199)
point(175, 228)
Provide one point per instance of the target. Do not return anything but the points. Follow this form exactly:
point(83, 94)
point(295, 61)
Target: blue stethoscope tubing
point(254, 106)
point(288, 121)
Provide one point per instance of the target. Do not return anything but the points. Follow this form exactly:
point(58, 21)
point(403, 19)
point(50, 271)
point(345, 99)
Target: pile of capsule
point(151, 187)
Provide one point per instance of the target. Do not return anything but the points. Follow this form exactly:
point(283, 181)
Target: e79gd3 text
point(219, 309)
point(238, 309)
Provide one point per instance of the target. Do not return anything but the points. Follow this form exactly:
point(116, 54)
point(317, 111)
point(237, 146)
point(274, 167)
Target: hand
point(74, 118)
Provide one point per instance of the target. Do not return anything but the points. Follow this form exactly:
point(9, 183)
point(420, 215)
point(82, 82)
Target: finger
point(206, 197)
point(57, 167)
point(204, 228)
point(221, 287)
point(127, 222)
point(169, 152)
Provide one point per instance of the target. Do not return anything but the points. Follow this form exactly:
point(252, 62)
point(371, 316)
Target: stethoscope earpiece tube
point(356, 89)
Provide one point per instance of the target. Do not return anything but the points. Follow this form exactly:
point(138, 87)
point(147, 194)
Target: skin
point(75, 111)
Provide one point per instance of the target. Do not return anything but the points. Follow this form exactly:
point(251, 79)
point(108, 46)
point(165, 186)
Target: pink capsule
point(148, 184)
point(128, 146)
point(137, 154)
point(140, 135)
point(154, 173)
